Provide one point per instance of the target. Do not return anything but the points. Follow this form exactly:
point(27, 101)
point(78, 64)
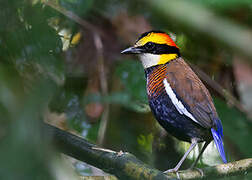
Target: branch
point(74, 17)
point(123, 165)
point(127, 166)
point(235, 168)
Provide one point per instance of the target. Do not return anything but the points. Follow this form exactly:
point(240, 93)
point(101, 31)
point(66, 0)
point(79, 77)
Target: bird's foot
point(171, 170)
point(174, 170)
point(198, 169)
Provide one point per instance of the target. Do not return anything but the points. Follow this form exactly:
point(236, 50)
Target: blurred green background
point(60, 62)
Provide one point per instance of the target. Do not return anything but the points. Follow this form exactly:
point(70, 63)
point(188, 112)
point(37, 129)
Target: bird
point(177, 97)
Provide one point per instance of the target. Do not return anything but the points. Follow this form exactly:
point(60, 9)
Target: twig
point(104, 87)
point(74, 17)
point(127, 166)
point(99, 47)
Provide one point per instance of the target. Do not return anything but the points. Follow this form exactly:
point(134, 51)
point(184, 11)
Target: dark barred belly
point(175, 123)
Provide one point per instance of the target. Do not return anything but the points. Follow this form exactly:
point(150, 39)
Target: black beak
point(132, 50)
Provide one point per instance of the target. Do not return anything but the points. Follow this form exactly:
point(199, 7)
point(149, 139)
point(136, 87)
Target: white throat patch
point(178, 104)
point(149, 60)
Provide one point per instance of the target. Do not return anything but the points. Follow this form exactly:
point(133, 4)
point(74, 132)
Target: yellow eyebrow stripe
point(158, 38)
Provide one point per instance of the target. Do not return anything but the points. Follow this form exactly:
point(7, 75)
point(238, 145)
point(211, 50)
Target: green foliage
point(121, 98)
point(30, 44)
point(68, 100)
point(21, 137)
point(131, 74)
point(223, 4)
point(145, 142)
point(80, 7)
point(91, 132)
point(30, 65)
point(133, 96)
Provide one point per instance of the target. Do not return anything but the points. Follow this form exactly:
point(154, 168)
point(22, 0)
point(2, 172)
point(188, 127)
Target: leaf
point(32, 44)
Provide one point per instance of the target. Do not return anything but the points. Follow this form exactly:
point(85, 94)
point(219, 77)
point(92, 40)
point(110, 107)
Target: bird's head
point(154, 48)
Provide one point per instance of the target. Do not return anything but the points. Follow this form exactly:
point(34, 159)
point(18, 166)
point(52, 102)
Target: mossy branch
point(241, 167)
point(127, 166)
point(123, 165)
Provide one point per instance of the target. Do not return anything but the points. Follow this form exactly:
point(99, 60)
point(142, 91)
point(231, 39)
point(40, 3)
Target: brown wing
point(191, 92)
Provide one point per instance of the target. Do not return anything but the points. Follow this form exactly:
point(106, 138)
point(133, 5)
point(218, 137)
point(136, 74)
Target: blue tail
point(217, 135)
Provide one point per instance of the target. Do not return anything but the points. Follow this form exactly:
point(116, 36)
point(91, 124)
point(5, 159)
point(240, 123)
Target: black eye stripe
point(149, 46)
point(154, 48)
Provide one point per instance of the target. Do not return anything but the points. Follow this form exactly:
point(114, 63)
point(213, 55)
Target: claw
point(171, 170)
point(174, 170)
point(198, 169)
point(177, 173)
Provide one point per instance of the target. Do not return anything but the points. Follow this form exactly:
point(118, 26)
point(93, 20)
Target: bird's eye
point(149, 45)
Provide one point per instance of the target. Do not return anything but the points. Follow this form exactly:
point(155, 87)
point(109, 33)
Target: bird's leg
point(201, 152)
point(194, 142)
